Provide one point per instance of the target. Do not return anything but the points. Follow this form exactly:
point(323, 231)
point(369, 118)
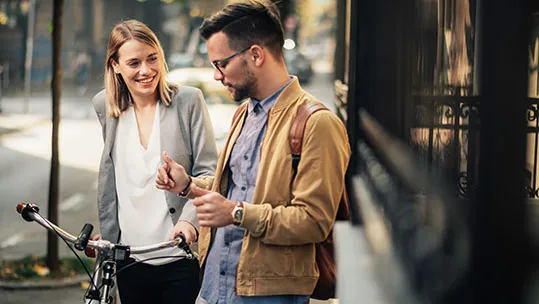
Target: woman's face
point(140, 67)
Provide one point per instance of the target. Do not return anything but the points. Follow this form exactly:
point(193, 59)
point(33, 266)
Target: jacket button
point(172, 210)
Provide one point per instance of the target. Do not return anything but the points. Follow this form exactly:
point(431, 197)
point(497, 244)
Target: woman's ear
point(115, 67)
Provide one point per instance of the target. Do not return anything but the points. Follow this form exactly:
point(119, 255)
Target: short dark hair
point(247, 23)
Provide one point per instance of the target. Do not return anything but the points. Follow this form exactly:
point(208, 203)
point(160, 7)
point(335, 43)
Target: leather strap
point(298, 126)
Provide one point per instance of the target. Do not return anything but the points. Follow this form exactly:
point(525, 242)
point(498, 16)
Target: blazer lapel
point(111, 123)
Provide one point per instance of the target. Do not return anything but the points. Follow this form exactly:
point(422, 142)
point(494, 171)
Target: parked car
point(298, 65)
point(221, 106)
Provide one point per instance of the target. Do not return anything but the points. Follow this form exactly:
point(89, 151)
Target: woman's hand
point(171, 176)
point(92, 253)
point(186, 229)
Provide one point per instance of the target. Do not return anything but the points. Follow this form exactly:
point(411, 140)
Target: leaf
point(41, 270)
point(84, 284)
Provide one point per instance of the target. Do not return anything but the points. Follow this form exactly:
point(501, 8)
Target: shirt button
point(243, 188)
point(245, 157)
point(222, 273)
point(227, 243)
point(172, 210)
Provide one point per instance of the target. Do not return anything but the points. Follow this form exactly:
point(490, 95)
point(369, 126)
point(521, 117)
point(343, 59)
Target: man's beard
point(246, 89)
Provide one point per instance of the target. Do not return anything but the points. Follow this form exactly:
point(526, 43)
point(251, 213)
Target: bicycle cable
point(67, 244)
point(142, 261)
point(130, 265)
point(87, 292)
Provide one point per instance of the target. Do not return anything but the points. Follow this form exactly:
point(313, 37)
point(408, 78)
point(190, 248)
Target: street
point(25, 167)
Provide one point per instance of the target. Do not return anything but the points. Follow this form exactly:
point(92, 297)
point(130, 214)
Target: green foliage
point(33, 267)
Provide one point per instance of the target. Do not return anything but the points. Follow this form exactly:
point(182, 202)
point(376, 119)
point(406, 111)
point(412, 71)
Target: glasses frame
point(218, 63)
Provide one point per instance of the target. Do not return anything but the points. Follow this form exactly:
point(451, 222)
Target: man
point(259, 226)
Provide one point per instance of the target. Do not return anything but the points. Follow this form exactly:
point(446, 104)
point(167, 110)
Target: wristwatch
point(237, 213)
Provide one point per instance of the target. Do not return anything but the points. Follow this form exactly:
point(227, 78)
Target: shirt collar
point(268, 102)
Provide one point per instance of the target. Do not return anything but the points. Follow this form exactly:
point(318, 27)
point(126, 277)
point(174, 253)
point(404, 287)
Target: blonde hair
point(118, 95)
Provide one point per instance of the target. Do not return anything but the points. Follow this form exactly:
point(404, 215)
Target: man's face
point(231, 67)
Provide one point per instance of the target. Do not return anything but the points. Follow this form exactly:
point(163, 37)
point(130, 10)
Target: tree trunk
point(56, 86)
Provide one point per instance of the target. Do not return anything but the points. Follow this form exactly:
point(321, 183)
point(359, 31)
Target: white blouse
point(142, 208)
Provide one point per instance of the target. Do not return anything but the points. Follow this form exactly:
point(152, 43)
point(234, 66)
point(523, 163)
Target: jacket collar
point(290, 94)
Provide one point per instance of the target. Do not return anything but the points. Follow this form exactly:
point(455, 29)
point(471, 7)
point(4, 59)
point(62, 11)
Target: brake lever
point(185, 247)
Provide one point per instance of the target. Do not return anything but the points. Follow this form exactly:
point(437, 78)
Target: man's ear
point(257, 55)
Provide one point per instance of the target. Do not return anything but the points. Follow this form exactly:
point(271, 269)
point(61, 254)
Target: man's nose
point(217, 75)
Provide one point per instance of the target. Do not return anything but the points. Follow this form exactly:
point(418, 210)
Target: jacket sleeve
point(204, 151)
point(315, 192)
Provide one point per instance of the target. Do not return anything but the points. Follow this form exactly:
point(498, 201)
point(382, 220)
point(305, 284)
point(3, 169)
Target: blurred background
point(26, 102)
point(441, 103)
point(26, 74)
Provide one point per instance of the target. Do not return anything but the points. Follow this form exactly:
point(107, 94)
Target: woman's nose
point(144, 68)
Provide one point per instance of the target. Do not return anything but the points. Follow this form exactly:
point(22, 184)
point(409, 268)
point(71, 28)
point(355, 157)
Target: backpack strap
point(297, 130)
point(296, 140)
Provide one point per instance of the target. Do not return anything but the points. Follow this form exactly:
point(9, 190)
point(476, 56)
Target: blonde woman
point(144, 117)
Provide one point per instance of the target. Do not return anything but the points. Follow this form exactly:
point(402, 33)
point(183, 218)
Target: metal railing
point(445, 131)
point(425, 226)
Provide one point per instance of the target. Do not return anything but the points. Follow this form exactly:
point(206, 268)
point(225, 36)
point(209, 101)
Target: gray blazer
point(186, 135)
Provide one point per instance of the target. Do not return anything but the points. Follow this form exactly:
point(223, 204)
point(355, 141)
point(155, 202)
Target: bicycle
point(108, 253)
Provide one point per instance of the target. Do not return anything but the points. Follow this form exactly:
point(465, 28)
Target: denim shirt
point(219, 283)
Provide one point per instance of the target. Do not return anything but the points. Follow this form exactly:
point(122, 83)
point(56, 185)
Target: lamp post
point(29, 53)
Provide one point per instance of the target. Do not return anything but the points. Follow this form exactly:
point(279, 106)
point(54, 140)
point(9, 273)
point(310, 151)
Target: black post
point(56, 86)
point(501, 245)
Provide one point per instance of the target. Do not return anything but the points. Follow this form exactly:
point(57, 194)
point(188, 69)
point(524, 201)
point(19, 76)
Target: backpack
point(325, 255)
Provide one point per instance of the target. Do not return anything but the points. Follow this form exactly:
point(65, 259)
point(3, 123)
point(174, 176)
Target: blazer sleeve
point(100, 107)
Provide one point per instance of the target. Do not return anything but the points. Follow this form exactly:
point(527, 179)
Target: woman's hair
point(118, 95)
point(246, 23)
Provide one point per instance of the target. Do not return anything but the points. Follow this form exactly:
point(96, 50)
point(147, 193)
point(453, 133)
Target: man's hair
point(247, 23)
point(118, 96)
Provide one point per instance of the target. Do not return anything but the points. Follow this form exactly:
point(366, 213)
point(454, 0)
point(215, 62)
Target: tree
point(53, 261)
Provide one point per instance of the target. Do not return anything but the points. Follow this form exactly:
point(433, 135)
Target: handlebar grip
point(24, 209)
point(84, 236)
point(20, 206)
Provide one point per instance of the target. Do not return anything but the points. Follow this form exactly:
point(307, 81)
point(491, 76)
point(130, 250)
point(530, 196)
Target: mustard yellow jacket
point(286, 218)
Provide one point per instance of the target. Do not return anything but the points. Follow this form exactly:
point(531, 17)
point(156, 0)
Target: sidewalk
point(19, 112)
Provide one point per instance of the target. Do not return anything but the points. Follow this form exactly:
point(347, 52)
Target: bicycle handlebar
point(29, 211)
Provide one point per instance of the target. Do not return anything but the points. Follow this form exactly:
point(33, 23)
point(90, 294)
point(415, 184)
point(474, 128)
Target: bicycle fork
point(100, 293)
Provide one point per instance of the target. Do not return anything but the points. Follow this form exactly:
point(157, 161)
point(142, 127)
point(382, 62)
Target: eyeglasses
point(219, 64)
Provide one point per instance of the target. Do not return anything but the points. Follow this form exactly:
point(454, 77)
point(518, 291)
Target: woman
point(142, 116)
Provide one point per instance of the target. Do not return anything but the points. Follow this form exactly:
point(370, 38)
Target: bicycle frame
point(107, 253)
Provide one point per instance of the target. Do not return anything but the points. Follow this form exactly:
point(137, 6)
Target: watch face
point(238, 215)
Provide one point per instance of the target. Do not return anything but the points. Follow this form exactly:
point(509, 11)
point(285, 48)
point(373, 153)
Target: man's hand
point(186, 229)
point(171, 176)
point(213, 209)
